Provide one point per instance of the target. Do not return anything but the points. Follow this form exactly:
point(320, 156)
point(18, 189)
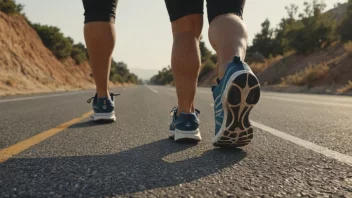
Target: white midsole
point(187, 135)
point(223, 101)
point(104, 116)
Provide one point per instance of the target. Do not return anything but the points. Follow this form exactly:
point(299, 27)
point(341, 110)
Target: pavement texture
point(133, 157)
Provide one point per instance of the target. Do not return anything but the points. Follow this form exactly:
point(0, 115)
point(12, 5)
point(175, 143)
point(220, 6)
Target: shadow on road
point(90, 123)
point(141, 168)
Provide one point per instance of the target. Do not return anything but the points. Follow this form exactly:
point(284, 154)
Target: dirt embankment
point(337, 58)
point(27, 66)
point(336, 77)
point(326, 71)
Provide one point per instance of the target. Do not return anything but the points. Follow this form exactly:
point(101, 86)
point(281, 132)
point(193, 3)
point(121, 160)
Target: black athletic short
point(181, 8)
point(100, 10)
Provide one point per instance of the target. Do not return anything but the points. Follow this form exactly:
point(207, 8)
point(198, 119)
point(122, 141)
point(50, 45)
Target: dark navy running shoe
point(234, 97)
point(104, 108)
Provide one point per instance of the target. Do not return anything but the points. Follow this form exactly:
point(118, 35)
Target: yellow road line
point(19, 147)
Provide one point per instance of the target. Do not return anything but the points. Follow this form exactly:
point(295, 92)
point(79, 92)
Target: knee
point(100, 10)
point(188, 25)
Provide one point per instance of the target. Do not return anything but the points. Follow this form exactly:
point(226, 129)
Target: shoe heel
point(242, 96)
point(191, 136)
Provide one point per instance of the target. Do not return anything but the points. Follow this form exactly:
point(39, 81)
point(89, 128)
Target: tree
point(345, 29)
point(10, 7)
point(263, 41)
point(204, 52)
point(164, 77)
point(79, 53)
point(318, 30)
point(292, 11)
point(120, 73)
point(207, 67)
point(54, 40)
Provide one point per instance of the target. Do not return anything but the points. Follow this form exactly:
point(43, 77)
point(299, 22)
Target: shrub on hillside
point(312, 30)
point(348, 48)
point(346, 88)
point(54, 40)
point(120, 73)
point(204, 51)
point(345, 29)
point(117, 78)
point(207, 67)
point(164, 77)
point(79, 53)
point(307, 75)
point(10, 7)
point(318, 30)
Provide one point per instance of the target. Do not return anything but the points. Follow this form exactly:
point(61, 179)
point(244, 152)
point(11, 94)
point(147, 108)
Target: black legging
point(181, 8)
point(100, 10)
point(105, 10)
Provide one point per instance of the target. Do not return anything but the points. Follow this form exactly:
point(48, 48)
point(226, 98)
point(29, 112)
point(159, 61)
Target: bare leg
point(186, 59)
point(228, 36)
point(100, 40)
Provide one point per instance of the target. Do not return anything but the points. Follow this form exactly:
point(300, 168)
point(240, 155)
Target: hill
point(27, 66)
point(325, 69)
point(40, 58)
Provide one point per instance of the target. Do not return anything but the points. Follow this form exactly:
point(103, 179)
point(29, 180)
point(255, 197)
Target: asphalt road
point(302, 148)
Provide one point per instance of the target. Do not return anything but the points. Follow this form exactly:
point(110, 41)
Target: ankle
point(185, 110)
point(103, 94)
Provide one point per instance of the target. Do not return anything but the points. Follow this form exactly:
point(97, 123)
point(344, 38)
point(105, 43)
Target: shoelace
point(174, 111)
point(90, 99)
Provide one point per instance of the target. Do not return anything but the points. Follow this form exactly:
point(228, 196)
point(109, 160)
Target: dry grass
point(307, 75)
point(346, 88)
point(259, 67)
point(348, 48)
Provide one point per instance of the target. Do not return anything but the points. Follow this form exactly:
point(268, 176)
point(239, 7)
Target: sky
point(144, 37)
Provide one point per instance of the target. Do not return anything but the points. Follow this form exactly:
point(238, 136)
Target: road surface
point(49, 147)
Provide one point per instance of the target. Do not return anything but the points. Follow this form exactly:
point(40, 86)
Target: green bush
point(314, 30)
point(345, 29)
point(207, 67)
point(204, 51)
point(132, 78)
point(318, 32)
point(117, 78)
point(164, 77)
point(10, 7)
point(79, 53)
point(54, 40)
point(120, 73)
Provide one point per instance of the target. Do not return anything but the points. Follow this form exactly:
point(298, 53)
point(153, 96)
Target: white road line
point(153, 90)
point(308, 145)
point(36, 97)
point(308, 101)
point(299, 100)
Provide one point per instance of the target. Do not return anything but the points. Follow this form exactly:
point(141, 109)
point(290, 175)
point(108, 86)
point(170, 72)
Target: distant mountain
point(144, 74)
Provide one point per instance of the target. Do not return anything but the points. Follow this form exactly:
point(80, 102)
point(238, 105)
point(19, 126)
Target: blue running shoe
point(185, 126)
point(234, 97)
point(104, 108)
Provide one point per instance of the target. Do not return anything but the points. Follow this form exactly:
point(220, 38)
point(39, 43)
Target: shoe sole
point(104, 117)
point(171, 134)
point(243, 93)
point(192, 136)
